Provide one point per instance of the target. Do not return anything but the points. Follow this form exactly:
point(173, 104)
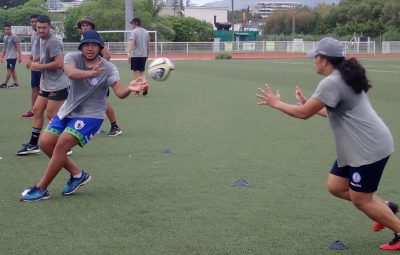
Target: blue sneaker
point(74, 183)
point(34, 194)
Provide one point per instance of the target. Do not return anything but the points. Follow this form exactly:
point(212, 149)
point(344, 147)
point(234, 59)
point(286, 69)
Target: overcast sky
point(200, 2)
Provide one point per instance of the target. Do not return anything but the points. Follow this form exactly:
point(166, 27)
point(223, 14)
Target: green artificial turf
point(141, 201)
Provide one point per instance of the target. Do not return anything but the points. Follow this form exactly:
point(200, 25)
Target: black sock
point(114, 125)
point(35, 136)
point(393, 206)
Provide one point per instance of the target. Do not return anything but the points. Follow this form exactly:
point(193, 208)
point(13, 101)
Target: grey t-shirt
point(360, 134)
point(141, 38)
point(35, 46)
point(55, 79)
point(88, 97)
point(9, 44)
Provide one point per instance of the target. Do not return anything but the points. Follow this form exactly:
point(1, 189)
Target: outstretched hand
point(301, 99)
point(268, 97)
point(137, 85)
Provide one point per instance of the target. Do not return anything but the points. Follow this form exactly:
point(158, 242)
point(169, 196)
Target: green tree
point(391, 14)
point(148, 12)
point(305, 21)
point(190, 29)
point(19, 15)
point(110, 19)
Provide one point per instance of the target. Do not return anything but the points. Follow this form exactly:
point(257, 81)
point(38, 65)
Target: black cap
point(136, 21)
point(85, 20)
point(91, 36)
point(43, 19)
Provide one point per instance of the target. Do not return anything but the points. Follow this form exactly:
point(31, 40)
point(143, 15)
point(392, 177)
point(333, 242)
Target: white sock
point(78, 175)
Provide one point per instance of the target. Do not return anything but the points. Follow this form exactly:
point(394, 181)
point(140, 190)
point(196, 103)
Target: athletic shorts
point(11, 62)
point(363, 178)
point(57, 95)
point(35, 79)
point(138, 64)
point(83, 129)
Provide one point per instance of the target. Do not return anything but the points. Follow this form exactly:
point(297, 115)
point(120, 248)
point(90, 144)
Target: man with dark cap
point(83, 25)
point(82, 114)
point(138, 50)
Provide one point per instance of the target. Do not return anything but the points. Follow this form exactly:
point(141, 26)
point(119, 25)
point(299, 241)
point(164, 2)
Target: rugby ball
point(160, 69)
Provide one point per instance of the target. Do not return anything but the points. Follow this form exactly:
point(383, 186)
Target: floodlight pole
point(294, 22)
point(233, 24)
point(128, 17)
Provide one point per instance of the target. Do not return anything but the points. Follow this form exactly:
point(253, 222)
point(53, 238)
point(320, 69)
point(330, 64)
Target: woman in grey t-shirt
point(363, 141)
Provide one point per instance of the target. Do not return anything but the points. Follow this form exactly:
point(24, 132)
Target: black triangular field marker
point(242, 183)
point(337, 245)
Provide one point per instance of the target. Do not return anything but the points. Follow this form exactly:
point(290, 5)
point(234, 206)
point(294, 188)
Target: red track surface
point(250, 56)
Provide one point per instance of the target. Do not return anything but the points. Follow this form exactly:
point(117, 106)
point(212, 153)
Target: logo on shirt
point(94, 81)
point(356, 177)
point(79, 124)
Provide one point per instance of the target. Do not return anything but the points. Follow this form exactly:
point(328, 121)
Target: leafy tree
point(305, 21)
point(110, 19)
point(148, 12)
point(391, 14)
point(190, 29)
point(20, 15)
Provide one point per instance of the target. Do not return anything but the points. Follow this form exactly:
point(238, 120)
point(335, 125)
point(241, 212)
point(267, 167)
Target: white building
point(266, 8)
point(58, 6)
point(202, 13)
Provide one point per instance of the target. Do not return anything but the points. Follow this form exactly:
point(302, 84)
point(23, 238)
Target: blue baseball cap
point(329, 47)
point(91, 36)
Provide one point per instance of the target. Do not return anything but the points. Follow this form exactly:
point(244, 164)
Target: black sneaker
point(116, 131)
point(3, 86)
point(14, 86)
point(28, 149)
point(145, 91)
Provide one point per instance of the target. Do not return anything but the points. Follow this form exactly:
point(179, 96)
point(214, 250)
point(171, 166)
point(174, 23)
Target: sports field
point(141, 201)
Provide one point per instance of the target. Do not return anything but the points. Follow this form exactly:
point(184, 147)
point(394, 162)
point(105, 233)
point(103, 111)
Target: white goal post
point(153, 34)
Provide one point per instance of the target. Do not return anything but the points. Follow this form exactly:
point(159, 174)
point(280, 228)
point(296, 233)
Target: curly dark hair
point(353, 73)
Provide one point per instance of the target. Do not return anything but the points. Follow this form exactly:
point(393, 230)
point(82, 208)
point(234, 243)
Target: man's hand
point(35, 65)
point(97, 69)
point(137, 86)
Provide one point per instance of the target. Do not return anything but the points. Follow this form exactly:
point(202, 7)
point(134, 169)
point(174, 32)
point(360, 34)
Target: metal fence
point(239, 47)
point(391, 48)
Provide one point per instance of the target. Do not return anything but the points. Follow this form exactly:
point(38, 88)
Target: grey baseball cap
point(329, 47)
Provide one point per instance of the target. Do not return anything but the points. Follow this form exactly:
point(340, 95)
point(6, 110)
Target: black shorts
point(57, 95)
point(11, 62)
point(364, 178)
point(138, 64)
point(35, 78)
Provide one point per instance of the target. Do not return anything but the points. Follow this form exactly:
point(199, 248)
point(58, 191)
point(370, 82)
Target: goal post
point(122, 47)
